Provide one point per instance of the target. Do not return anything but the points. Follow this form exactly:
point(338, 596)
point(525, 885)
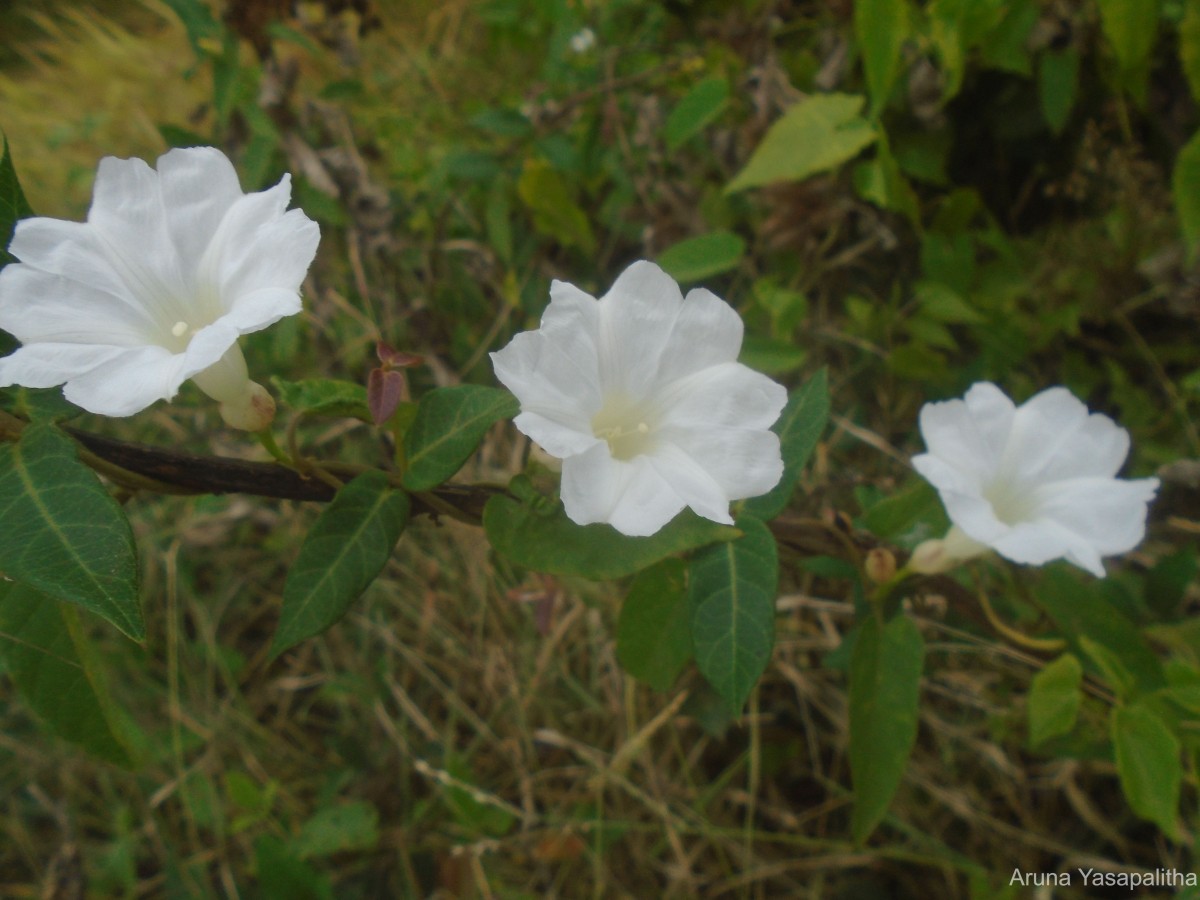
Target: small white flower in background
point(1034, 483)
point(169, 269)
point(641, 396)
point(583, 40)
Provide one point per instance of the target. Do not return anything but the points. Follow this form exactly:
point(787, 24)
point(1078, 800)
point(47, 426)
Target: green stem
point(885, 591)
point(1038, 645)
point(267, 438)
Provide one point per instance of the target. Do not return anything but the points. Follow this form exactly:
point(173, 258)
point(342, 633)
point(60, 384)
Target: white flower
point(1034, 483)
point(583, 40)
point(641, 396)
point(169, 269)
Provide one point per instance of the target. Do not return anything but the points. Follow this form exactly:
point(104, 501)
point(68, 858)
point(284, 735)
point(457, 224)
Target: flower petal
point(592, 482)
point(206, 349)
point(707, 331)
point(974, 515)
point(636, 318)
point(39, 306)
point(1109, 514)
point(199, 185)
point(551, 377)
point(648, 501)
point(259, 309)
point(129, 382)
point(69, 250)
point(47, 364)
point(743, 462)
point(1042, 540)
point(259, 246)
point(691, 482)
point(564, 297)
point(129, 226)
point(1054, 437)
point(969, 434)
point(556, 438)
point(727, 394)
point(629, 495)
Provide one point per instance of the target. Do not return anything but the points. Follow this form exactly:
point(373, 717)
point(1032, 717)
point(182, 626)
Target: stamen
point(616, 432)
point(179, 329)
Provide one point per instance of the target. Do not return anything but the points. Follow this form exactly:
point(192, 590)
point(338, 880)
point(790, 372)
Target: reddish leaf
point(385, 390)
point(396, 359)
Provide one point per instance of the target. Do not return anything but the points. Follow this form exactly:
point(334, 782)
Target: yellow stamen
point(179, 329)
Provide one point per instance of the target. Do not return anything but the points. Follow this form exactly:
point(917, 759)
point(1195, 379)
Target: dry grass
point(89, 83)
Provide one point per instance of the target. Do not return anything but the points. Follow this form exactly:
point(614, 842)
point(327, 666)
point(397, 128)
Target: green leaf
point(909, 516)
point(731, 593)
point(1148, 765)
point(503, 122)
point(799, 427)
point(700, 106)
point(1081, 610)
point(282, 875)
point(53, 667)
point(547, 196)
point(654, 631)
point(450, 423)
point(63, 532)
point(703, 256)
point(815, 135)
point(943, 303)
point(475, 815)
point(198, 21)
point(346, 548)
point(1058, 81)
point(497, 218)
point(338, 829)
point(542, 538)
point(885, 677)
point(770, 356)
point(1189, 45)
point(1185, 190)
point(324, 397)
point(948, 41)
point(881, 182)
point(1115, 674)
point(880, 27)
point(13, 205)
point(1054, 699)
point(1006, 44)
point(787, 308)
point(1131, 27)
point(1182, 638)
point(1167, 583)
point(36, 404)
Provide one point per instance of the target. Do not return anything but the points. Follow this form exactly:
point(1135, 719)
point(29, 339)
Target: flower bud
point(254, 410)
point(880, 565)
point(931, 558)
point(938, 555)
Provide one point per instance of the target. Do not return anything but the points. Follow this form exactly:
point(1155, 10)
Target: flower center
point(1011, 503)
point(625, 426)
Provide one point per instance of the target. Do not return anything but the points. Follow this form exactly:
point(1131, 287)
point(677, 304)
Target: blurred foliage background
point(992, 189)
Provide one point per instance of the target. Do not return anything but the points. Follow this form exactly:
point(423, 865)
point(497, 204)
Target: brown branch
point(198, 474)
point(205, 474)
